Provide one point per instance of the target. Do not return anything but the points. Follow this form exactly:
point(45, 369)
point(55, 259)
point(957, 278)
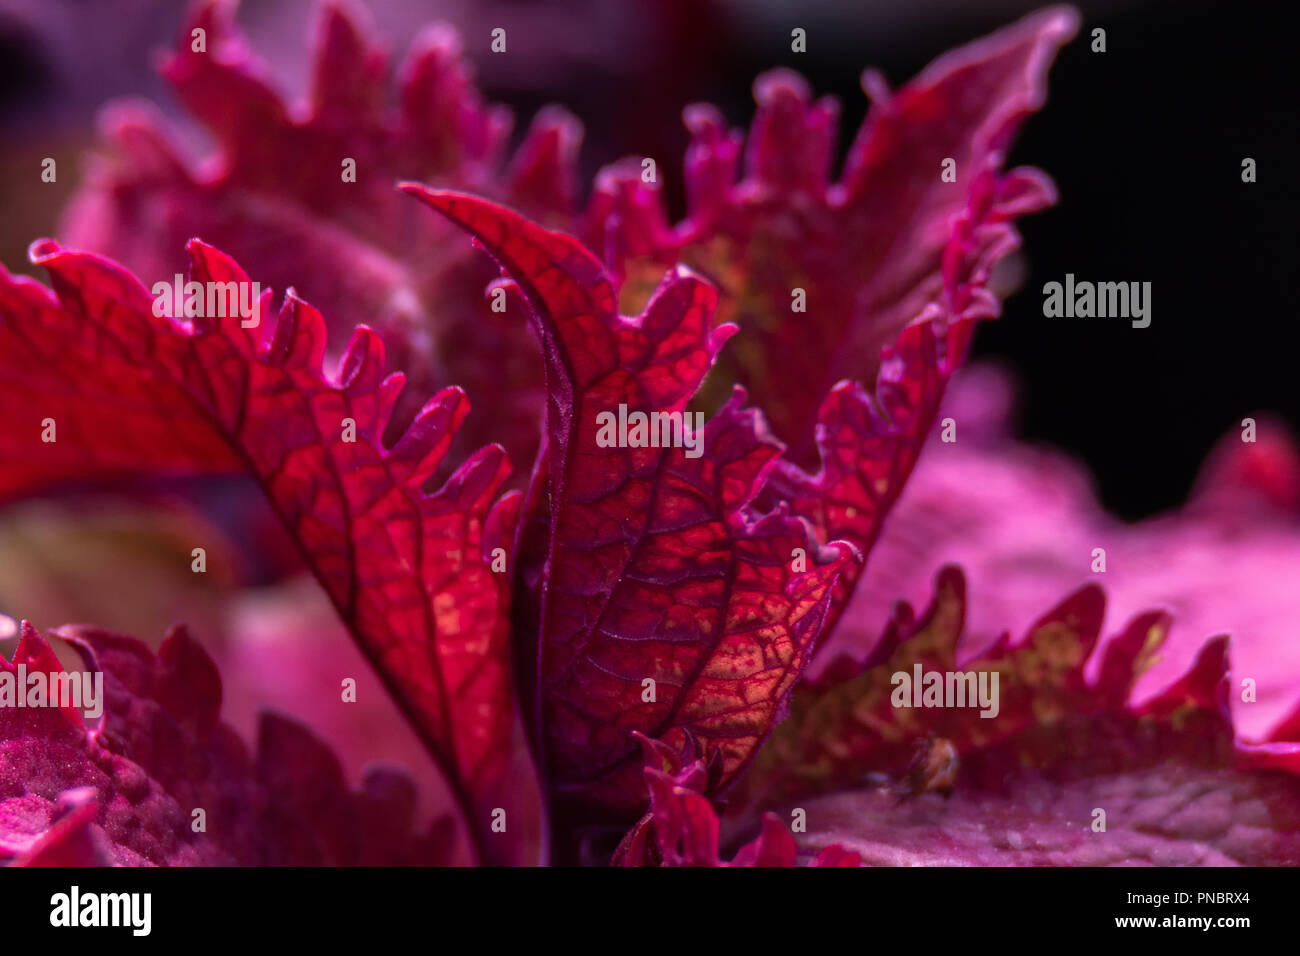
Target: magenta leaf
point(1065, 737)
point(890, 242)
point(1162, 816)
point(893, 262)
point(1023, 521)
point(408, 571)
point(655, 603)
point(278, 196)
point(658, 569)
point(162, 780)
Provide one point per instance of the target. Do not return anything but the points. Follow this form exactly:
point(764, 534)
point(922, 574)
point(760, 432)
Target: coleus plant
point(630, 627)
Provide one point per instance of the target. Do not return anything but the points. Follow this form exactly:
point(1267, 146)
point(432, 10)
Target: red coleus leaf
point(162, 780)
point(869, 444)
point(889, 267)
point(1062, 738)
point(645, 564)
point(670, 605)
point(129, 391)
point(278, 195)
point(890, 240)
point(872, 251)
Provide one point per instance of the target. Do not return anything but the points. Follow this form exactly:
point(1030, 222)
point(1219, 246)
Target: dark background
point(1145, 142)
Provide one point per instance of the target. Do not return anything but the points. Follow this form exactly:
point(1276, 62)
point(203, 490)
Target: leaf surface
point(161, 780)
point(134, 393)
point(657, 566)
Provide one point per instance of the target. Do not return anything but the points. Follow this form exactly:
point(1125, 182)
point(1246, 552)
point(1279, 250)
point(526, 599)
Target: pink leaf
point(277, 196)
point(161, 780)
point(657, 567)
point(408, 571)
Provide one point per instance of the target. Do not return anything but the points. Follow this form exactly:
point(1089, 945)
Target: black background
point(1145, 143)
